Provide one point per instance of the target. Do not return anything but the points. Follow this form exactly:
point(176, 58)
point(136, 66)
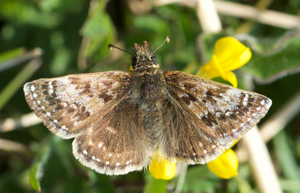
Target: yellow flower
point(225, 166)
point(229, 54)
point(160, 168)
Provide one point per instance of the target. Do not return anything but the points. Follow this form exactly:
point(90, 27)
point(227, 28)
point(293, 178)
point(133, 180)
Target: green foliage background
point(74, 34)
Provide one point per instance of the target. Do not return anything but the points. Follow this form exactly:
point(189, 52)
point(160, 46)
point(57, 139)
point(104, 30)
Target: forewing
point(207, 117)
point(66, 103)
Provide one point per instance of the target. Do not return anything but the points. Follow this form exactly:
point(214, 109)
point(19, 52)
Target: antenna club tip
point(110, 46)
point(168, 39)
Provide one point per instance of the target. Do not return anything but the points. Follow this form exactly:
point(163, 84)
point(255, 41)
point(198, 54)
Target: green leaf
point(273, 58)
point(101, 182)
point(151, 23)
point(243, 185)
point(61, 5)
point(24, 12)
point(290, 185)
point(36, 171)
point(206, 44)
point(284, 155)
point(12, 87)
point(60, 61)
point(154, 185)
point(159, 186)
point(98, 31)
point(197, 180)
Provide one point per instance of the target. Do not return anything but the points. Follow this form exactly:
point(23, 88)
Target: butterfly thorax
point(148, 88)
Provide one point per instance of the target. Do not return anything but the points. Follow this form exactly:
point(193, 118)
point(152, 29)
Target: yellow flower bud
point(225, 166)
point(160, 168)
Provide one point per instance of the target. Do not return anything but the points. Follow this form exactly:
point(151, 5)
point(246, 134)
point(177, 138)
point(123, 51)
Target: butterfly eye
point(133, 62)
point(154, 61)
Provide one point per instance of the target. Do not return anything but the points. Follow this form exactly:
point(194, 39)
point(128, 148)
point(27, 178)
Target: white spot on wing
point(245, 101)
point(34, 95)
point(222, 149)
point(228, 113)
point(233, 92)
point(50, 88)
point(111, 130)
point(100, 144)
point(32, 88)
point(200, 115)
point(73, 106)
point(218, 114)
point(85, 152)
point(183, 95)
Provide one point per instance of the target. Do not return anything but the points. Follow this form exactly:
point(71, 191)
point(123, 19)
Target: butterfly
point(119, 119)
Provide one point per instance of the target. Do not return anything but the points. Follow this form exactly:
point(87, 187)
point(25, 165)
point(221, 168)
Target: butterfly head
point(142, 59)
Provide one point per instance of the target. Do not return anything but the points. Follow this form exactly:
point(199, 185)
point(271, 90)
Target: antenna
point(110, 46)
point(166, 40)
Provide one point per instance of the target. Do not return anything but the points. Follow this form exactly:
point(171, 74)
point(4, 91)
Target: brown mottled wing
point(205, 117)
point(93, 108)
point(66, 103)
